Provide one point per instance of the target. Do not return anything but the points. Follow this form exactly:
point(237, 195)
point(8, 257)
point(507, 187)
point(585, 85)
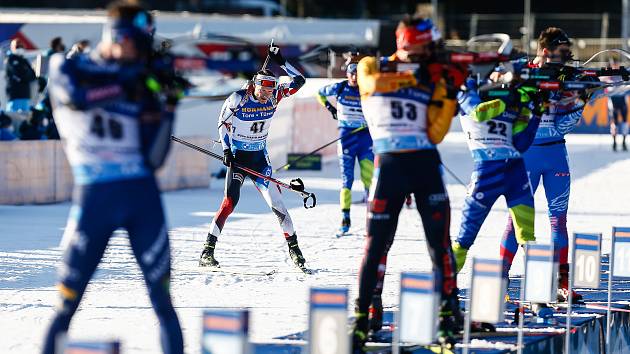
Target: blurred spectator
point(618, 111)
point(19, 76)
point(56, 46)
point(6, 128)
point(45, 108)
point(79, 47)
point(35, 127)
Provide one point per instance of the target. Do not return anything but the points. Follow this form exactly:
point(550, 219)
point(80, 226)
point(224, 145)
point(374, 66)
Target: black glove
point(275, 55)
point(332, 110)
point(585, 95)
point(173, 95)
point(537, 104)
point(451, 88)
point(228, 157)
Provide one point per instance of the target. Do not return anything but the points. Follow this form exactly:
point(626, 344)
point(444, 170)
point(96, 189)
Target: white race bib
point(98, 136)
point(394, 116)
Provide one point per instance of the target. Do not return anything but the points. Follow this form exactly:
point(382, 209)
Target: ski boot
point(376, 313)
point(624, 147)
point(345, 223)
point(207, 255)
point(294, 251)
point(359, 332)
point(451, 318)
point(563, 286)
point(345, 226)
point(614, 145)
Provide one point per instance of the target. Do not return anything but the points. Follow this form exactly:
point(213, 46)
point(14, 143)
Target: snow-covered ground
point(116, 304)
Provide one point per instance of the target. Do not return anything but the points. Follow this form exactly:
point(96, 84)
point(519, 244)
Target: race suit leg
point(149, 241)
point(520, 202)
point(487, 183)
point(347, 152)
point(388, 190)
point(557, 183)
point(434, 207)
point(535, 164)
point(97, 211)
point(365, 155)
point(233, 181)
point(272, 195)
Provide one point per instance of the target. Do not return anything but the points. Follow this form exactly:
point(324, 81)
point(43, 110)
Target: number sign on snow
point(419, 302)
point(327, 321)
point(586, 260)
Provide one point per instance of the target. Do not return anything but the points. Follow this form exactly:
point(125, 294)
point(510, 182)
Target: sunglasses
point(266, 81)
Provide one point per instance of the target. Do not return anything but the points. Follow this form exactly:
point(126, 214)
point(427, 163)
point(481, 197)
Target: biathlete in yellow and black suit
point(408, 112)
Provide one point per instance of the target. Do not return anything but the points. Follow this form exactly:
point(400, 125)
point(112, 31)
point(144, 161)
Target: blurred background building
point(219, 44)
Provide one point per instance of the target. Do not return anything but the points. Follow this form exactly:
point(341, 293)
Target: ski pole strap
point(312, 198)
point(309, 198)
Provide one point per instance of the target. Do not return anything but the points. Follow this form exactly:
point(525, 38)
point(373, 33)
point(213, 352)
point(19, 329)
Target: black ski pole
point(286, 166)
point(296, 185)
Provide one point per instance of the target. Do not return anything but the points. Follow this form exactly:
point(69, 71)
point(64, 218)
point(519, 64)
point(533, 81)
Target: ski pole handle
point(264, 66)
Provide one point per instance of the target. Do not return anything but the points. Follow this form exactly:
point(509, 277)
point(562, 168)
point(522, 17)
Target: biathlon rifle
point(556, 77)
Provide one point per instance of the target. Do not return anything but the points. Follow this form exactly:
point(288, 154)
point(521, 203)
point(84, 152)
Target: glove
point(586, 95)
point(451, 88)
point(537, 104)
point(471, 84)
point(228, 157)
point(173, 97)
point(275, 55)
point(332, 110)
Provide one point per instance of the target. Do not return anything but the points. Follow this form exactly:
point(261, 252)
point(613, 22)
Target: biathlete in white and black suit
point(243, 127)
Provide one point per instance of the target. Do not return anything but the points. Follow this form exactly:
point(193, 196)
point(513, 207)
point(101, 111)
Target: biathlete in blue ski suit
point(547, 158)
point(117, 133)
point(498, 131)
point(355, 143)
point(243, 127)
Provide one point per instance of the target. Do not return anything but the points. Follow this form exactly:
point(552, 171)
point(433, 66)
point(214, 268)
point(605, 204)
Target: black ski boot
point(359, 332)
point(451, 318)
point(207, 255)
point(376, 313)
point(294, 251)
